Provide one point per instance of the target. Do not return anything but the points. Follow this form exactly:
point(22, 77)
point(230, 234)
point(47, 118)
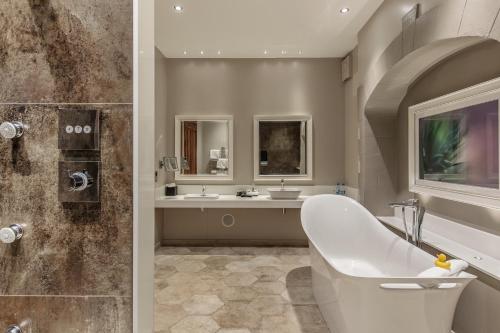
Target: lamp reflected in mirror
point(171, 164)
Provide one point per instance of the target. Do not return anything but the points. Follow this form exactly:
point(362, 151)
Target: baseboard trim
point(235, 242)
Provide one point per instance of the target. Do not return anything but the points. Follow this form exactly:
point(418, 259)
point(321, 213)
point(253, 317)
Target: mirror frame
point(474, 195)
point(308, 177)
point(178, 149)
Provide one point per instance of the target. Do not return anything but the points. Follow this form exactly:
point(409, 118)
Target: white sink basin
point(201, 196)
point(286, 193)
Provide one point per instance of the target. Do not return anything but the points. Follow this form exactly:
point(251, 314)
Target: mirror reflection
point(205, 147)
point(461, 146)
point(282, 147)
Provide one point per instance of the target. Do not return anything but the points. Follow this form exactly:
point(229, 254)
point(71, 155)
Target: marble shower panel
point(66, 51)
point(72, 271)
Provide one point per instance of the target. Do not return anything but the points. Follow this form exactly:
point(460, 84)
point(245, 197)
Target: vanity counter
point(228, 201)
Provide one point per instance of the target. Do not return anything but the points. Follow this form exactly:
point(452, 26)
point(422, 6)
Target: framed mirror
point(204, 145)
point(454, 147)
point(283, 148)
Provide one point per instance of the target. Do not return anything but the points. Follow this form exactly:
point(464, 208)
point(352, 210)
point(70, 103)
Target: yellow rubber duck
point(441, 262)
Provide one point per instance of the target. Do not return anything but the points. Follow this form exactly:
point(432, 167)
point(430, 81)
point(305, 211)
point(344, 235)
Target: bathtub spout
point(418, 218)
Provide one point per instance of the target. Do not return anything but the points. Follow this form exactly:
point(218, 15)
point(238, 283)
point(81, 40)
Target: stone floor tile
point(219, 262)
point(237, 294)
point(265, 261)
point(202, 304)
point(237, 314)
point(269, 288)
point(268, 273)
point(240, 279)
point(241, 266)
point(268, 305)
point(190, 266)
point(195, 324)
point(167, 315)
point(174, 295)
point(235, 290)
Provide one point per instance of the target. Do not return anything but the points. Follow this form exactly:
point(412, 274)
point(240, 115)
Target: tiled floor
point(235, 290)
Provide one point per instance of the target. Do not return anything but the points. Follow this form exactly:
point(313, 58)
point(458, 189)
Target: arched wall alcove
point(385, 82)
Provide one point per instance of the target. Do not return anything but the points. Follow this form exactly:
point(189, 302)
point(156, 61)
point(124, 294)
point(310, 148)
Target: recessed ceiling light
point(178, 8)
point(344, 10)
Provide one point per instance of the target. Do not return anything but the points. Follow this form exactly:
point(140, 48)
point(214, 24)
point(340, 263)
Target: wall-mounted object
point(12, 233)
point(347, 68)
point(14, 329)
point(78, 129)
point(171, 164)
point(454, 146)
point(205, 146)
point(11, 129)
point(283, 148)
point(79, 181)
point(409, 27)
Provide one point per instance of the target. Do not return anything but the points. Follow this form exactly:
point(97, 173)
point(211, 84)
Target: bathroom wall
point(162, 177)
point(352, 129)
point(458, 72)
point(381, 53)
point(72, 270)
point(161, 130)
point(247, 87)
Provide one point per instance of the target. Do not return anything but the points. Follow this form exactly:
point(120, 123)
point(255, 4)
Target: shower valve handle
point(11, 233)
point(14, 329)
point(80, 180)
point(11, 130)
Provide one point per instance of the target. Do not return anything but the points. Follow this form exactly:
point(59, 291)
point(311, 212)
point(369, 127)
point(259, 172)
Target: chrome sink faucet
point(282, 183)
point(203, 190)
point(418, 218)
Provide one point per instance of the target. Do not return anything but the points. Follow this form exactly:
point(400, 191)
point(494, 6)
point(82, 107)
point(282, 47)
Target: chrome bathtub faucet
point(418, 212)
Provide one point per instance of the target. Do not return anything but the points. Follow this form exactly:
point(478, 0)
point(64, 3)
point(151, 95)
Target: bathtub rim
point(463, 278)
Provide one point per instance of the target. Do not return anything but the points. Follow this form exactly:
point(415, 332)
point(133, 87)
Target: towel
point(222, 163)
point(457, 266)
point(214, 154)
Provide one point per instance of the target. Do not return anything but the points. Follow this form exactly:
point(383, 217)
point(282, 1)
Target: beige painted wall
point(160, 124)
point(480, 302)
point(246, 87)
point(352, 125)
point(471, 66)
point(160, 129)
point(380, 51)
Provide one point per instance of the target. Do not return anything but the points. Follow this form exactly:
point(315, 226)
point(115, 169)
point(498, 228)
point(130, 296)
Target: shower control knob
point(80, 180)
point(13, 329)
point(11, 130)
point(11, 234)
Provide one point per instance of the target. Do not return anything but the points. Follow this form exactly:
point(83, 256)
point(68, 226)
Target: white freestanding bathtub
point(365, 277)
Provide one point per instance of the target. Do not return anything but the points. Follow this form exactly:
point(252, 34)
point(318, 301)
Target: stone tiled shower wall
point(72, 271)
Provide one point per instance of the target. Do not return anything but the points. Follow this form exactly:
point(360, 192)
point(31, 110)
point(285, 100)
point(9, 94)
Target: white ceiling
point(246, 28)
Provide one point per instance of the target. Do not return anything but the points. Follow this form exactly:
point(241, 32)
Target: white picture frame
point(299, 178)
point(204, 178)
point(475, 195)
